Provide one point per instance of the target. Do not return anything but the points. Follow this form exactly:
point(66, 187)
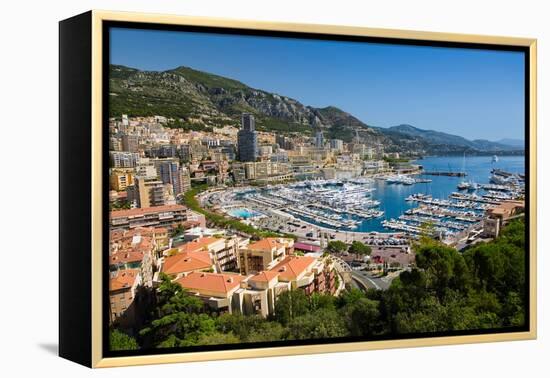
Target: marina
point(444, 205)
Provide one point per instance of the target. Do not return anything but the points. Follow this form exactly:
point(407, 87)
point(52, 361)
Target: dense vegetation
point(447, 291)
point(282, 127)
point(120, 205)
point(178, 124)
point(121, 341)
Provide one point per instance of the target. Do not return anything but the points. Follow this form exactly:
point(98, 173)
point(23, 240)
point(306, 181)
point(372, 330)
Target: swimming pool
point(244, 213)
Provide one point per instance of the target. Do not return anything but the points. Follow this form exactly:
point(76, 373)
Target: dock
point(444, 173)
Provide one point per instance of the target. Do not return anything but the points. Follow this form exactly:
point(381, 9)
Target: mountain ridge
point(208, 100)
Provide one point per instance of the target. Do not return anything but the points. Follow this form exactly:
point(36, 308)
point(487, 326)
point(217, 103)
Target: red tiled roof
point(123, 279)
point(197, 244)
point(187, 262)
point(124, 257)
point(221, 283)
point(267, 243)
point(146, 210)
point(293, 266)
point(264, 276)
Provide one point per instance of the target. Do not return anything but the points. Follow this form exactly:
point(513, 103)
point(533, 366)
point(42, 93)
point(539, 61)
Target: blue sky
point(478, 94)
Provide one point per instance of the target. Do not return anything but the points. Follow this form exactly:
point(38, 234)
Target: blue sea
point(478, 168)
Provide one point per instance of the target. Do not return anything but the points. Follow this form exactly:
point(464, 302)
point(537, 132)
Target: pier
point(444, 173)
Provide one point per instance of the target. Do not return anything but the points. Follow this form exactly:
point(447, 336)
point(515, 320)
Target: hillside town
point(236, 217)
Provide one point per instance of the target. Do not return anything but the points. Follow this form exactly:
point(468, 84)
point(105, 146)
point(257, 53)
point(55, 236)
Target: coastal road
point(366, 280)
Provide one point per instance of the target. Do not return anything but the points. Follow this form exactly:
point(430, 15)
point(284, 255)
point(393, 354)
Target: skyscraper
point(130, 143)
point(170, 172)
point(319, 141)
point(148, 192)
point(247, 139)
point(337, 144)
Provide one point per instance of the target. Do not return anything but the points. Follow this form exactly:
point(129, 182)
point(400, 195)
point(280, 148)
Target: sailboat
point(495, 159)
point(470, 186)
point(463, 185)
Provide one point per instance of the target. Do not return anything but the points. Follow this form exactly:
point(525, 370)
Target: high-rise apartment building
point(337, 144)
point(319, 140)
point(149, 192)
point(170, 172)
point(130, 143)
point(247, 139)
point(121, 159)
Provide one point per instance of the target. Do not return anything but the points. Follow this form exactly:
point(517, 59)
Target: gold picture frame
point(93, 24)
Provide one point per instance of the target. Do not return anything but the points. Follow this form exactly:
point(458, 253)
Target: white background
point(28, 88)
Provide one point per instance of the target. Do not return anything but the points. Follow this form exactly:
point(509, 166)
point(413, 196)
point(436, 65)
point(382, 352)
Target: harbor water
point(392, 197)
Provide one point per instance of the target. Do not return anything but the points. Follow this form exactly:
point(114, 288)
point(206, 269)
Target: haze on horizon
point(478, 94)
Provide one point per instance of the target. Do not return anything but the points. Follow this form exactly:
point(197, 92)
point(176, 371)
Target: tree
point(290, 304)
point(336, 246)
point(444, 267)
point(178, 318)
point(321, 301)
point(218, 338)
point(323, 323)
point(121, 341)
point(360, 249)
point(349, 297)
point(178, 230)
point(250, 328)
point(362, 317)
point(120, 205)
point(179, 329)
point(172, 298)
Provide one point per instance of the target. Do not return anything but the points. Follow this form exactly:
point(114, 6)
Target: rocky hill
point(206, 100)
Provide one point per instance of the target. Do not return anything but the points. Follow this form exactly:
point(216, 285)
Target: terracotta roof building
point(216, 289)
point(498, 216)
point(184, 263)
point(308, 273)
point(132, 250)
point(123, 285)
point(264, 254)
point(222, 250)
point(257, 293)
point(167, 215)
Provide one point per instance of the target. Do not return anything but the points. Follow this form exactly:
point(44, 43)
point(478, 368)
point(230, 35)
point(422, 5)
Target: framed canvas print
point(234, 189)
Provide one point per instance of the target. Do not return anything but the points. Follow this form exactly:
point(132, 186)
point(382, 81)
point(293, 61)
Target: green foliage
point(289, 305)
point(360, 249)
point(336, 246)
point(208, 79)
point(119, 205)
point(444, 268)
point(323, 323)
point(178, 124)
point(446, 291)
point(482, 288)
point(362, 317)
point(217, 338)
point(178, 318)
point(252, 328)
point(276, 125)
point(179, 329)
point(178, 230)
point(121, 341)
point(341, 132)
